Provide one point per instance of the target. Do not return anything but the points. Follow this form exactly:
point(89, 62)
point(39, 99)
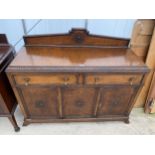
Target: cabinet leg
point(127, 121)
point(14, 123)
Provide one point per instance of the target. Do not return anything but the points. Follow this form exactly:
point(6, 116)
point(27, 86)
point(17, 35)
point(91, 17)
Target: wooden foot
point(14, 123)
point(127, 121)
point(25, 123)
point(17, 129)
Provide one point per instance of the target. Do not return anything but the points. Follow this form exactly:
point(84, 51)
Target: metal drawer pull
point(96, 79)
point(66, 79)
point(27, 80)
point(131, 80)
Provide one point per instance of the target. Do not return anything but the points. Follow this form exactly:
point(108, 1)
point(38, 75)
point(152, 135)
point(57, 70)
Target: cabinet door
point(115, 100)
point(40, 101)
point(78, 102)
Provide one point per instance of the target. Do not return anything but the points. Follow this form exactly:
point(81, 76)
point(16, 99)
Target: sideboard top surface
point(50, 56)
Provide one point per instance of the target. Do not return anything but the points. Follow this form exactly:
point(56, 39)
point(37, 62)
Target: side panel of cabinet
point(40, 102)
point(115, 100)
point(3, 108)
point(78, 102)
point(7, 94)
point(0, 110)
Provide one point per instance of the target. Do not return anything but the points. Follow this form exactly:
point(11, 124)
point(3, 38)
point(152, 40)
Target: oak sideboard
point(76, 77)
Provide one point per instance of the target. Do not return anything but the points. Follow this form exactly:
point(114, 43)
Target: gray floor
point(140, 123)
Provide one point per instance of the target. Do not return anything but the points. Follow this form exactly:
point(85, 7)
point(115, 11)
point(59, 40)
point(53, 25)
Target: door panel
point(114, 100)
point(40, 102)
point(78, 102)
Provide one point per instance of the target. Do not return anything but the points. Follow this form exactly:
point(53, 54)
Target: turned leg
point(14, 123)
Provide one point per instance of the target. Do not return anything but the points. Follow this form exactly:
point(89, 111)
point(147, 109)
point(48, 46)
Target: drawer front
point(45, 79)
point(113, 79)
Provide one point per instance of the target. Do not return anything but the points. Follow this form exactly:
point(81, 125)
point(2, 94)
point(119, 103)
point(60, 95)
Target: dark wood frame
point(9, 105)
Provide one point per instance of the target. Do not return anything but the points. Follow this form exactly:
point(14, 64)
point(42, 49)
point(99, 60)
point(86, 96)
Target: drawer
point(45, 79)
point(113, 79)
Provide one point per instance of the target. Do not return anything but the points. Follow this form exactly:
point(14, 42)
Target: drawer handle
point(96, 79)
point(66, 79)
point(27, 80)
point(131, 80)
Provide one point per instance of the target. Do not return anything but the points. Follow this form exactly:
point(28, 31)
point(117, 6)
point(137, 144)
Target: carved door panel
point(115, 100)
point(78, 102)
point(40, 102)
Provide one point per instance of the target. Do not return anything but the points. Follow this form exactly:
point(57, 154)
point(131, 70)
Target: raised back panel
point(3, 39)
point(76, 37)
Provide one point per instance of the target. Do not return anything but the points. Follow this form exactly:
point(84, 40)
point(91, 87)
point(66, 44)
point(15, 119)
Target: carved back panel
point(76, 37)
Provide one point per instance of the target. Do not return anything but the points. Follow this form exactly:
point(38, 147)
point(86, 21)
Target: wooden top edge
point(90, 69)
point(65, 57)
point(76, 46)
